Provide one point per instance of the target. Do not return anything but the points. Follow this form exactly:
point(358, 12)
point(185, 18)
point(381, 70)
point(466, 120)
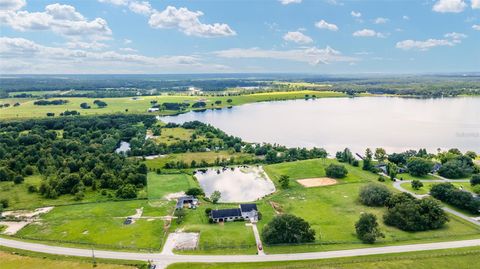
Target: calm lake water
point(395, 124)
point(237, 184)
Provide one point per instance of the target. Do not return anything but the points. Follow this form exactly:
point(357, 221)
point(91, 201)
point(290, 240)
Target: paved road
point(398, 185)
point(163, 260)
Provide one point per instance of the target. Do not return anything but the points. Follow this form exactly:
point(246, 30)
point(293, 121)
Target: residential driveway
point(257, 239)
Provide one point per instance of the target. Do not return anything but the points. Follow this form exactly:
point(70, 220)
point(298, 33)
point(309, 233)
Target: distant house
point(189, 201)
point(243, 212)
point(153, 109)
point(436, 167)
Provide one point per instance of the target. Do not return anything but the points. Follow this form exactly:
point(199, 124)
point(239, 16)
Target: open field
point(120, 105)
point(210, 157)
point(161, 185)
point(20, 198)
point(439, 259)
point(100, 224)
point(428, 185)
point(407, 176)
point(15, 261)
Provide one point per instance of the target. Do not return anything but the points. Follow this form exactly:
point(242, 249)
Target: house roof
point(225, 213)
point(183, 199)
point(248, 207)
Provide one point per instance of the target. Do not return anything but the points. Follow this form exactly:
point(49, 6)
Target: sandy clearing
point(27, 213)
point(316, 182)
point(180, 241)
point(174, 196)
point(13, 226)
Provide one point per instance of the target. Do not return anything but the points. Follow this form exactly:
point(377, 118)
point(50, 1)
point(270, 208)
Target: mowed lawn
point(160, 185)
point(218, 238)
point(438, 259)
point(407, 176)
point(333, 210)
point(15, 261)
point(210, 157)
point(101, 225)
point(141, 104)
point(428, 185)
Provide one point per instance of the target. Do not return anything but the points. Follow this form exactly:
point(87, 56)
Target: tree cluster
point(447, 193)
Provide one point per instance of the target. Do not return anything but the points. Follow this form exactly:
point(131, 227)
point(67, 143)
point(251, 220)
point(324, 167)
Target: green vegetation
point(374, 194)
point(160, 185)
point(287, 229)
point(440, 259)
point(209, 158)
point(447, 193)
point(367, 228)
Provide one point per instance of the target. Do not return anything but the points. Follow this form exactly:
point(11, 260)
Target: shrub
point(287, 228)
point(336, 171)
point(416, 184)
point(208, 210)
point(18, 179)
point(415, 215)
point(367, 228)
point(476, 189)
point(195, 192)
point(284, 181)
point(475, 180)
point(32, 189)
point(447, 193)
point(456, 168)
point(419, 166)
point(4, 203)
point(127, 191)
point(374, 194)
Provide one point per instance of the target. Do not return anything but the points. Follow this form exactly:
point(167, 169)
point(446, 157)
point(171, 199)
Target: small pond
point(236, 184)
point(123, 148)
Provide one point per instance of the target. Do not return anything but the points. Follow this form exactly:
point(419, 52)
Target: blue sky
point(209, 36)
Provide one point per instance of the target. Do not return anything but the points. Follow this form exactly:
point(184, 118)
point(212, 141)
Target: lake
point(236, 184)
point(394, 123)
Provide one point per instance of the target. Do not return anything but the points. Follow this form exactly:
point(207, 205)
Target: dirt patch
point(13, 226)
point(316, 182)
point(174, 196)
point(180, 241)
point(27, 214)
point(277, 207)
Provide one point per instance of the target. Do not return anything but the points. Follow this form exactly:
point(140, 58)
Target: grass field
point(333, 210)
point(100, 224)
point(407, 176)
point(209, 157)
point(119, 105)
point(439, 259)
point(428, 185)
point(19, 197)
point(15, 261)
point(161, 185)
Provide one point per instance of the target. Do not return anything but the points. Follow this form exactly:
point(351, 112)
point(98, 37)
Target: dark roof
point(225, 213)
point(248, 207)
point(183, 199)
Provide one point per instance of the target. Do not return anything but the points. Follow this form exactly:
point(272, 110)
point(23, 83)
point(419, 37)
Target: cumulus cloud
point(287, 2)
point(143, 7)
point(325, 25)
point(380, 20)
point(450, 40)
point(11, 5)
point(476, 27)
point(312, 55)
point(367, 33)
point(188, 22)
point(61, 19)
point(297, 37)
point(115, 2)
point(356, 14)
point(47, 59)
point(449, 6)
point(405, 17)
point(476, 4)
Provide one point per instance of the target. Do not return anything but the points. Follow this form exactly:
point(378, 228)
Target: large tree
point(419, 166)
point(367, 228)
point(287, 229)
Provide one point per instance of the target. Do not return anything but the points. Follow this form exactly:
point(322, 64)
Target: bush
point(419, 166)
point(367, 228)
point(457, 168)
point(447, 193)
point(374, 194)
point(4, 203)
point(336, 171)
point(127, 191)
point(475, 180)
point(415, 215)
point(208, 210)
point(416, 184)
point(284, 181)
point(195, 192)
point(476, 189)
point(287, 228)
point(18, 179)
point(32, 189)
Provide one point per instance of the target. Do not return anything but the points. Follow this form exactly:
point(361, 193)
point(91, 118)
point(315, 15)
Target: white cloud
point(131, 50)
point(287, 2)
point(61, 19)
point(450, 40)
point(452, 6)
point(46, 59)
point(86, 45)
point(325, 25)
point(405, 17)
point(115, 2)
point(476, 27)
point(188, 22)
point(313, 55)
point(334, 2)
point(11, 5)
point(476, 4)
point(367, 33)
point(356, 14)
point(381, 20)
point(143, 7)
point(127, 41)
point(297, 37)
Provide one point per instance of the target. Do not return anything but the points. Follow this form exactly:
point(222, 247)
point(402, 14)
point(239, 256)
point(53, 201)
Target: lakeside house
point(243, 212)
point(153, 109)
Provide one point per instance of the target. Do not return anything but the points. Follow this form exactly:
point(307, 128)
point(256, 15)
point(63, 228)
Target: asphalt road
point(163, 260)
